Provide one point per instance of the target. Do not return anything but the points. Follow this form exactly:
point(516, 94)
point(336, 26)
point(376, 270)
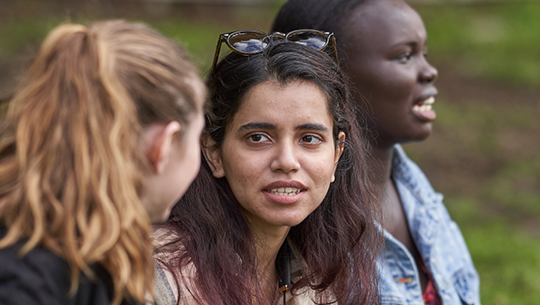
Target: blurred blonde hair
point(71, 171)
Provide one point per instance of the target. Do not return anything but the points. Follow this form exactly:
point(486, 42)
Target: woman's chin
point(418, 134)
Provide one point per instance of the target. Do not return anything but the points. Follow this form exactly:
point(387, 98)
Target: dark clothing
point(43, 278)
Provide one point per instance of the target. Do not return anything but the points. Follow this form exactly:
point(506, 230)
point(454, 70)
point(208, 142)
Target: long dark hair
point(338, 241)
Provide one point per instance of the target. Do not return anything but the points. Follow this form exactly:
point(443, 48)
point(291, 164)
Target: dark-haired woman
point(279, 212)
point(382, 45)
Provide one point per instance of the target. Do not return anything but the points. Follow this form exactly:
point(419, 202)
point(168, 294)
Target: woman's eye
point(258, 138)
point(311, 139)
point(405, 57)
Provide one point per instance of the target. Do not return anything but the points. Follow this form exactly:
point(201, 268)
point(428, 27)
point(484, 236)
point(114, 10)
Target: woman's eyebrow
point(317, 127)
point(260, 125)
point(257, 125)
point(412, 44)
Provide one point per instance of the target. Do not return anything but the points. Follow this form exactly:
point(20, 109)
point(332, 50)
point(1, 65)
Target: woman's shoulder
point(38, 277)
point(304, 295)
point(168, 247)
point(41, 277)
point(171, 281)
point(171, 285)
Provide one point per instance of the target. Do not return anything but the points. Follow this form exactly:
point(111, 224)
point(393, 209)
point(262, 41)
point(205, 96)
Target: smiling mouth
point(425, 105)
point(285, 191)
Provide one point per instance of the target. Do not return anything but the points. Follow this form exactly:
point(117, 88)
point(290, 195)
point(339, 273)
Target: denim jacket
point(438, 240)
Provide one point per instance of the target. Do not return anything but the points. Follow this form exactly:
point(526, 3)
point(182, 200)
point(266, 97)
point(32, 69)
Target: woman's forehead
point(383, 22)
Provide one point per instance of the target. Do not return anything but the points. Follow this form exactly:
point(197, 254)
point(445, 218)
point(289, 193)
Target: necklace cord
point(283, 269)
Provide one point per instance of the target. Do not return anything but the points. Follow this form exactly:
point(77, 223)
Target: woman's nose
point(428, 73)
point(285, 158)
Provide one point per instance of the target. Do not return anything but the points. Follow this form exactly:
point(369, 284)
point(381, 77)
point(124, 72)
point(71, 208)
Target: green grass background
point(483, 155)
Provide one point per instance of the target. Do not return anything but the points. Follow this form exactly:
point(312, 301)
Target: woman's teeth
point(285, 191)
point(425, 105)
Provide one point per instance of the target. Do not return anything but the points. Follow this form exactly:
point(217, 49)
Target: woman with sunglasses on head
point(382, 45)
point(279, 213)
point(100, 139)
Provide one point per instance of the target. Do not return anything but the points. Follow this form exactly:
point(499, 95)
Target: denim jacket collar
point(437, 238)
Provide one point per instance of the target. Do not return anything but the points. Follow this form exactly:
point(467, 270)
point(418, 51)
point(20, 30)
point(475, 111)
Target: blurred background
point(484, 154)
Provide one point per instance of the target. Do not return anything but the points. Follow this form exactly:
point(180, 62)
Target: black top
point(43, 278)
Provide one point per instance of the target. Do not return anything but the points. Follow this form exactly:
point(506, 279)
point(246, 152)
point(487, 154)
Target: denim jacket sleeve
point(438, 240)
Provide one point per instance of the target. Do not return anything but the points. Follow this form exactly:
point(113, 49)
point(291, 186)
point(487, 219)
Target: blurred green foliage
point(24, 34)
point(508, 262)
point(199, 38)
point(494, 41)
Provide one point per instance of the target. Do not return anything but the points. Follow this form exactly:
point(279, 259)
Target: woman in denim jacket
point(382, 46)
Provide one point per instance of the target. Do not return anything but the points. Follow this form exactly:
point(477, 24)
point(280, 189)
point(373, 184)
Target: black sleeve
point(38, 278)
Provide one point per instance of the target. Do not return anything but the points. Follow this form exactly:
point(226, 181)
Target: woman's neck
point(268, 243)
point(382, 168)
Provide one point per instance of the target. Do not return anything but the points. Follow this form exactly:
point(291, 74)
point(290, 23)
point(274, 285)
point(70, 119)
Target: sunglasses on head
point(253, 42)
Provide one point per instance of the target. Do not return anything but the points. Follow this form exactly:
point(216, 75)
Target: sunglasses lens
point(315, 40)
point(249, 43)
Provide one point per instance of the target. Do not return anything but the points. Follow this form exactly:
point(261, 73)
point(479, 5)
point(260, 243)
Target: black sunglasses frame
point(226, 38)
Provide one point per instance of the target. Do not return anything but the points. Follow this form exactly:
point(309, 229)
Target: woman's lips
point(285, 192)
point(423, 110)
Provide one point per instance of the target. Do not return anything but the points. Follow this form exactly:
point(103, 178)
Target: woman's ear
point(161, 143)
point(212, 155)
point(339, 151)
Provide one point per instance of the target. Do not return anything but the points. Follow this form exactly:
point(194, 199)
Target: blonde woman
point(100, 140)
